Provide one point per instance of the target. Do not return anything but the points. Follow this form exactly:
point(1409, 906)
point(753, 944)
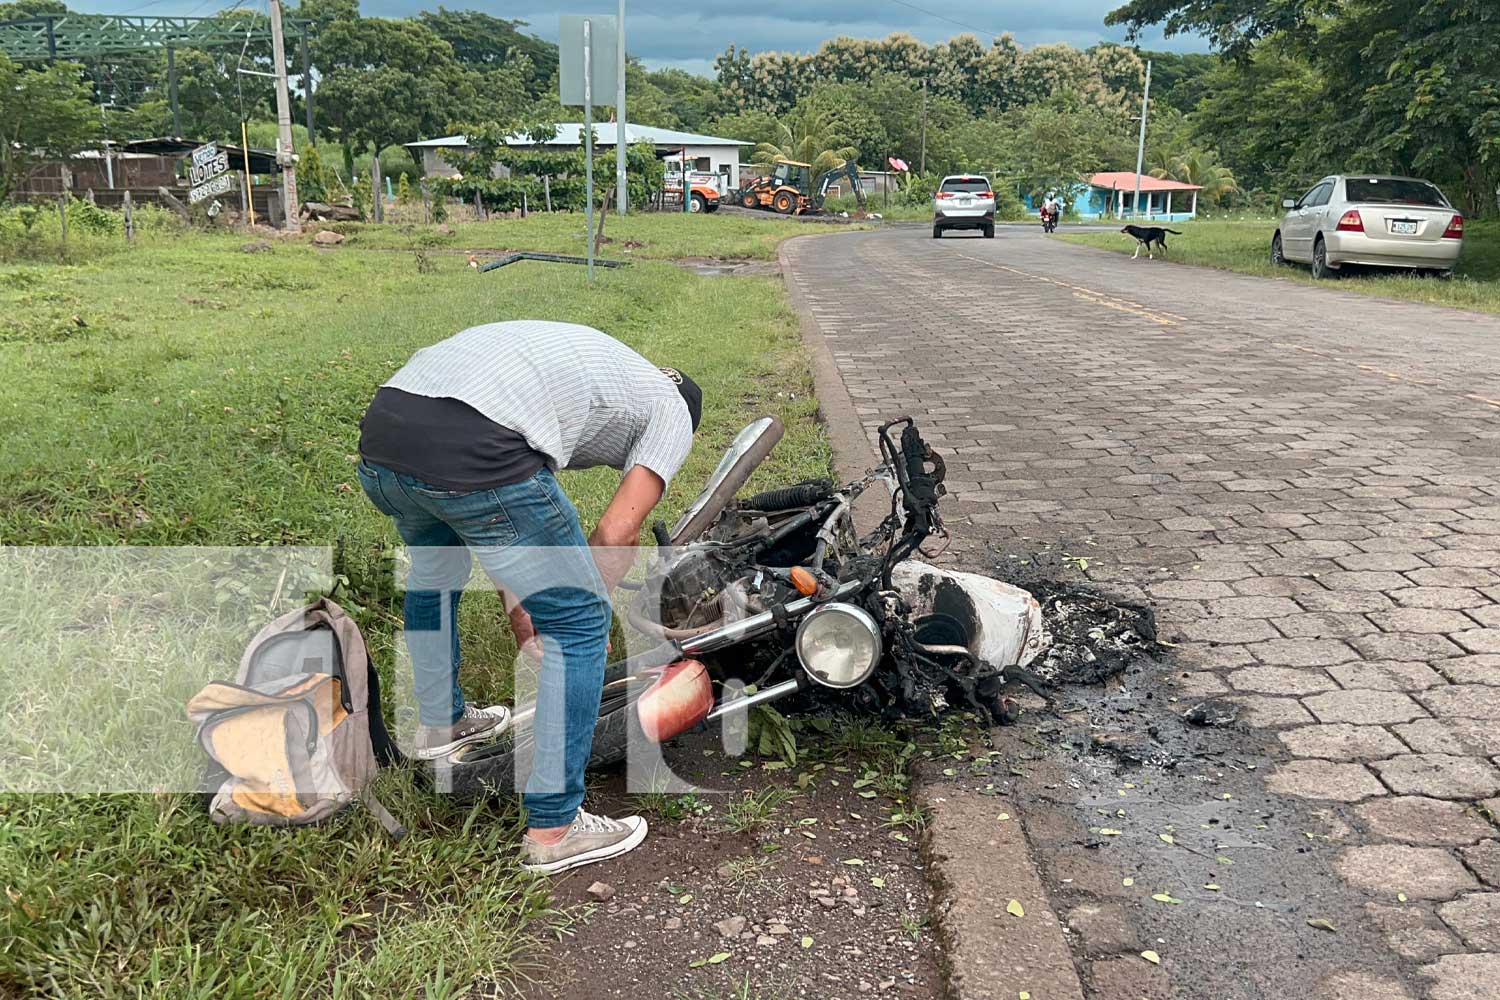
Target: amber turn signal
point(804, 581)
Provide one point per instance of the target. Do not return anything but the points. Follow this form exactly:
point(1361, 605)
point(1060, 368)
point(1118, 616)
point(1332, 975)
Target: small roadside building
point(1112, 195)
point(706, 153)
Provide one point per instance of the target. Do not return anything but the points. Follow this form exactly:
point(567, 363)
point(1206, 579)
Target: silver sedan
point(1377, 221)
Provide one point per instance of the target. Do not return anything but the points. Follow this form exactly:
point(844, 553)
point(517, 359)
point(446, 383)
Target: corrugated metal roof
point(571, 134)
point(1124, 180)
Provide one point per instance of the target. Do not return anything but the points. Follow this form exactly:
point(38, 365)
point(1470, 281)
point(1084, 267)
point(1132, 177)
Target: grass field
point(1245, 247)
point(657, 235)
point(190, 392)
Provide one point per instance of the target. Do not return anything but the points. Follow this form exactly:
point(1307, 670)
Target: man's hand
point(527, 641)
point(615, 536)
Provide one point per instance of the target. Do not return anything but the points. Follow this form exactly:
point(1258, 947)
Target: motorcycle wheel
point(489, 769)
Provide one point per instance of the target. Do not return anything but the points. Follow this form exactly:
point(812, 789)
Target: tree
point(45, 114)
point(753, 127)
point(484, 42)
point(1413, 81)
point(30, 8)
point(1243, 116)
point(1059, 144)
point(1233, 26)
point(1201, 167)
point(807, 136)
point(388, 81)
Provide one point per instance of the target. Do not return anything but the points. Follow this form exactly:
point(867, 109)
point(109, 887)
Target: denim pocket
point(550, 493)
point(479, 516)
point(369, 481)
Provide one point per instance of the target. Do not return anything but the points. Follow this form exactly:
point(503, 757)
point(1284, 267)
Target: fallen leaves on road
point(1015, 909)
point(1162, 897)
point(1151, 957)
point(1322, 925)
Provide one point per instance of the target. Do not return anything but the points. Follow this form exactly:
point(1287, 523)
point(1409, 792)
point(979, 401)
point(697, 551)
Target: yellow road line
point(1105, 299)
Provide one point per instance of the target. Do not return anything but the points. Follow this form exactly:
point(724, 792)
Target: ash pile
point(1092, 637)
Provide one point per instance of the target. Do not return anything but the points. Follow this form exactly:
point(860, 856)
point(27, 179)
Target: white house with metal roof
point(705, 153)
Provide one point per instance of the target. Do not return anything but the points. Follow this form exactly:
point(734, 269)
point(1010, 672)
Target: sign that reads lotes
point(208, 173)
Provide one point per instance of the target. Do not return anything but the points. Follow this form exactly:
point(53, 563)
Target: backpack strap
point(386, 751)
point(381, 813)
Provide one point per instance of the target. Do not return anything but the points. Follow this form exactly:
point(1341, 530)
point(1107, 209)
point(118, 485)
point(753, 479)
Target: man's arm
point(618, 531)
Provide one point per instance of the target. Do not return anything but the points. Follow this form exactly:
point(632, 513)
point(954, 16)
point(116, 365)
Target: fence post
point(547, 190)
point(129, 218)
point(62, 213)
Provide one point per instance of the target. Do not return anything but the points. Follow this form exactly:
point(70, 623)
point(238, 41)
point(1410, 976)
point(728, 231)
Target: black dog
point(1144, 236)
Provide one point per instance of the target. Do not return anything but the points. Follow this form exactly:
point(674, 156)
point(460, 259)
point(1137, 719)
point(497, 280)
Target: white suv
point(964, 201)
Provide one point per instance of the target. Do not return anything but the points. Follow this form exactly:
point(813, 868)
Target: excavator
point(788, 188)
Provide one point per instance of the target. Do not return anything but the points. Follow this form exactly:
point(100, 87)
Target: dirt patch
point(822, 897)
point(756, 213)
point(728, 267)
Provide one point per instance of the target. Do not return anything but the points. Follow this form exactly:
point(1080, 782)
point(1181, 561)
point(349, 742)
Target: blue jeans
point(506, 528)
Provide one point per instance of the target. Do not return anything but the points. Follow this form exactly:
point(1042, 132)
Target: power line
point(942, 17)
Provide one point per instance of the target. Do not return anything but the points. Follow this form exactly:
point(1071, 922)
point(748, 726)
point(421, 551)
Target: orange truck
point(705, 196)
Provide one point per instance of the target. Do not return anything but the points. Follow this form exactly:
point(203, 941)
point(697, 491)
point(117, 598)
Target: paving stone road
point(1306, 484)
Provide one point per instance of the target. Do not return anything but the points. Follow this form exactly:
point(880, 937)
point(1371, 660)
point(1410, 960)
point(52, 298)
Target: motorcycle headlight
point(839, 645)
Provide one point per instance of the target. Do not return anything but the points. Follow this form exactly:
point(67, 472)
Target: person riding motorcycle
point(1051, 208)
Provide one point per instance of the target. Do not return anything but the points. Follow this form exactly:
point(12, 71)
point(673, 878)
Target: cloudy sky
point(689, 35)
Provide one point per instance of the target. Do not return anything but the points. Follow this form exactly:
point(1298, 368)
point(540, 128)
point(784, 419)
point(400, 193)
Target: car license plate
point(1404, 228)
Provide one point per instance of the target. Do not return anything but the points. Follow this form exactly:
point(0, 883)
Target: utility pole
point(588, 139)
point(922, 163)
point(1140, 150)
point(284, 153)
point(621, 191)
point(172, 91)
point(307, 85)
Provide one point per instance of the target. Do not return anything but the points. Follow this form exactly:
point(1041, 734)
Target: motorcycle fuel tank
point(676, 701)
point(1000, 624)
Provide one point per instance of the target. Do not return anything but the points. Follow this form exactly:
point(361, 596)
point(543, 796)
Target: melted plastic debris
point(1093, 638)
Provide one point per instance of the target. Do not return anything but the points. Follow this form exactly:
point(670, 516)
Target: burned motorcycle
point(756, 599)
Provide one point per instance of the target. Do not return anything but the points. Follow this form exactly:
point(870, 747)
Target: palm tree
point(1201, 167)
point(806, 136)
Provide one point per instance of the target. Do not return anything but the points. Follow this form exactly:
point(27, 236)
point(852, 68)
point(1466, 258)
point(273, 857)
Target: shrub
point(88, 217)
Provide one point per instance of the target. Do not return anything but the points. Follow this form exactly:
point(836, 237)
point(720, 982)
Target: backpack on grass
point(298, 736)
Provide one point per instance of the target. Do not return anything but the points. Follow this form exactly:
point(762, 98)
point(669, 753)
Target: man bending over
point(459, 448)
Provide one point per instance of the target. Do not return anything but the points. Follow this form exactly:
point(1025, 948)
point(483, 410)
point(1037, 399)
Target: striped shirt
point(577, 395)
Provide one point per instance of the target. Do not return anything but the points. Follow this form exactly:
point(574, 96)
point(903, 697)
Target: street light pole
point(284, 152)
point(621, 191)
point(922, 163)
point(1140, 151)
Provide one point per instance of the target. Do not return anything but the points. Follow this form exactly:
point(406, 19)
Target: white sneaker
point(589, 839)
point(476, 725)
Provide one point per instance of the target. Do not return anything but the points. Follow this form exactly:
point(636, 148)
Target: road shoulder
point(976, 863)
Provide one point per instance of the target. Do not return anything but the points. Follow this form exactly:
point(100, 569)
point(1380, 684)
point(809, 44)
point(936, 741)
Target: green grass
point(661, 235)
point(185, 392)
point(1245, 247)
